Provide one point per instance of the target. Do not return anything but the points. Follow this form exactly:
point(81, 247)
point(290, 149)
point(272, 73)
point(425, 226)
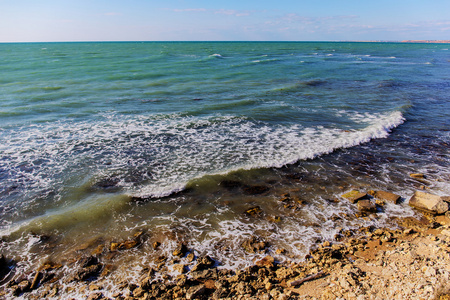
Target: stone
point(4, 268)
point(88, 261)
point(180, 268)
point(274, 219)
point(180, 250)
point(255, 190)
point(36, 280)
point(195, 291)
point(417, 175)
point(443, 220)
point(156, 245)
point(203, 262)
point(367, 206)
point(88, 272)
point(428, 202)
point(254, 244)
point(253, 211)
point(354, 196)
point(204, 275)
point(96, 296)
point(23, 287)
point(387, 196)
point(267, 261)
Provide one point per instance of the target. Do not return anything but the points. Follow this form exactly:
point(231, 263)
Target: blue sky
point(232, 20)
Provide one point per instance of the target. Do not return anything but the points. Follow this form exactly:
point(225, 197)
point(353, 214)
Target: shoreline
point(409, 260)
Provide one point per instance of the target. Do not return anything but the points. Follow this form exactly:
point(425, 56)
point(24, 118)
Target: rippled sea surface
point(178, 140)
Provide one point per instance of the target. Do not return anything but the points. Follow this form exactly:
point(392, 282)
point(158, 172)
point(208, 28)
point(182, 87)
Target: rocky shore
point(410, 260)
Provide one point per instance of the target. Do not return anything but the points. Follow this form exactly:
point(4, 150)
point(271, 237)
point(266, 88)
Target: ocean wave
point(154, 157)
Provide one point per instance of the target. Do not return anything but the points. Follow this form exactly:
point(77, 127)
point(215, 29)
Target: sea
point(210, 144)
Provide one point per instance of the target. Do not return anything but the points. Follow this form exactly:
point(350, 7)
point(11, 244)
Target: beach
point(408, 260)
point(186, 162)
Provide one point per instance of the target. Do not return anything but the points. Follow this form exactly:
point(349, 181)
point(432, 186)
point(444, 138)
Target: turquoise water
point(85, 127)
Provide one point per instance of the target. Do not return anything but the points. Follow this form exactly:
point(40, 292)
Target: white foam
point(156, 156)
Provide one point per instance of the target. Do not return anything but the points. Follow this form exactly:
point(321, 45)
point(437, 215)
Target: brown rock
point(417, 175)
point(180, 268)
point(203, 262)
point(382, 195)
point(254, 244)
point(181, 250)
point(155, 245)
point(253, 211)
point(443, 220)
point(265, 262)
point(367, 206)
point(354, 196)
point(36, 280)
point(96, 296)
point(195, 291)
point(255, 190)
point(428, 202)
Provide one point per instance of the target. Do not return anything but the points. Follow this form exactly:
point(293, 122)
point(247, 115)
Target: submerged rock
point(253, 211)
point(4, 267)
point(203, 262)
point(255, 190)
point(387, 196)
point(354, 196)
point(429, 203)
point(367, 206)
point(254, 245)
point(180, 250)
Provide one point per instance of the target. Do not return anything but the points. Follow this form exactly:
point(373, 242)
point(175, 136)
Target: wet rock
point(195, 292)
point(180, 250)
point(255, 190)
point(428, 202)
point(88, 261)
point(387, 196)
point(367, 206)
point(36, 280)
point(89, 272)
point(190, 257)
point(204, 275)
point(417, 175)
point(4, 267)
point(230, 184)
point(274, 219)
point(109, 184)
point(156, 245)
point(267, 261)
point(253, 211)
point(96, 296)
point(254, 245)
point(354, 196)
point(180, 268)
point(203, 262)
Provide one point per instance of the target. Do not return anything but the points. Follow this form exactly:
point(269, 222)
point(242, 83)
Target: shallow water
point(102, 140)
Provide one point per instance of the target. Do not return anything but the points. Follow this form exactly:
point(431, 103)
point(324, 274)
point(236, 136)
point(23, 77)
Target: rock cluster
point(409, 262)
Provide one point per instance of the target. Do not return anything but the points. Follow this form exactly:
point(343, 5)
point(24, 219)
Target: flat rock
point(267, 261)
point(367, 206)
point(195, 291)
point(354, 196)
point(391, 197)
point(429, 203)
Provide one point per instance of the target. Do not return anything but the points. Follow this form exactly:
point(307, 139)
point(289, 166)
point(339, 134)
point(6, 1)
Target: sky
point(231, 20)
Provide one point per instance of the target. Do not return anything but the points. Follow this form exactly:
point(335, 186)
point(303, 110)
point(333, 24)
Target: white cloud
point(228, 12)
point(190, 10)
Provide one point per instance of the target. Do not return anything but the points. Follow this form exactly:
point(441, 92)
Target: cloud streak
point(227, 12)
